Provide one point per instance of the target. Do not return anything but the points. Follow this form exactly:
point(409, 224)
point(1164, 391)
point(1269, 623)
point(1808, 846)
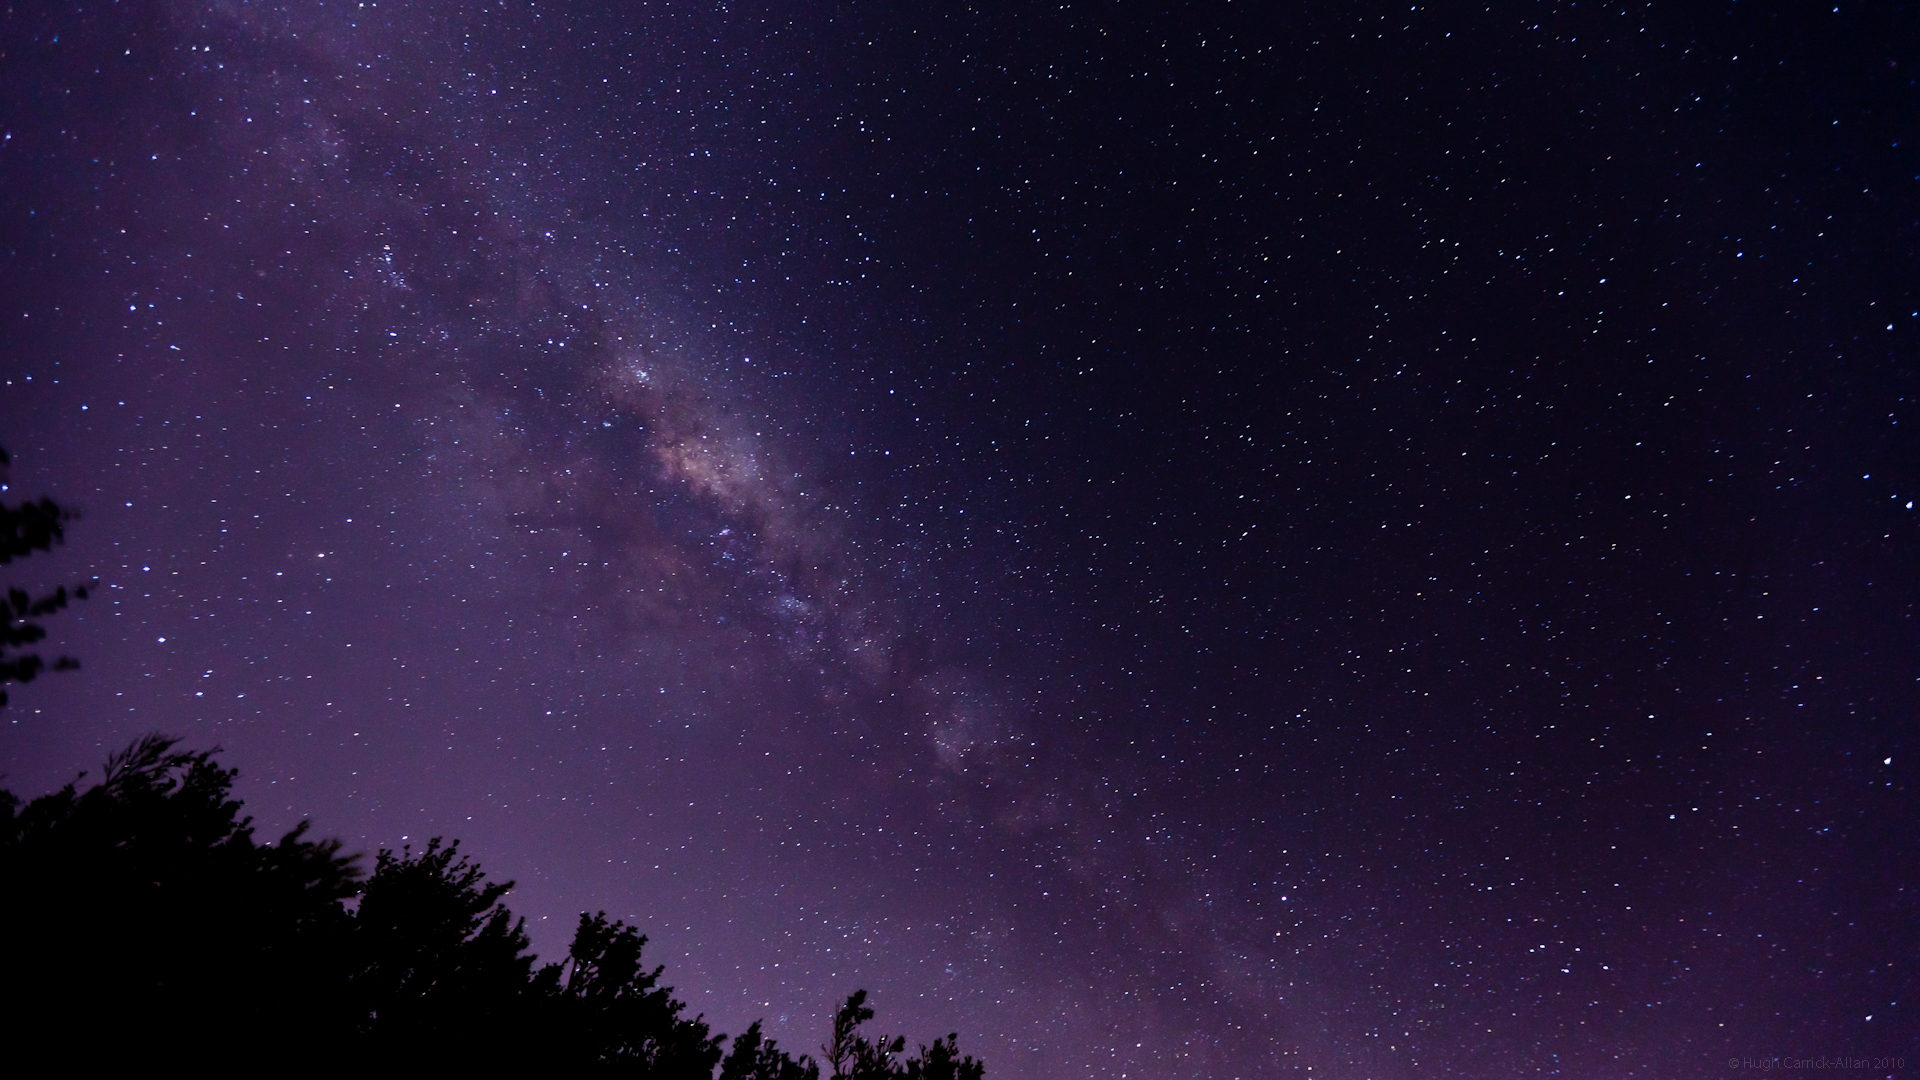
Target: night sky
point(1205, 540)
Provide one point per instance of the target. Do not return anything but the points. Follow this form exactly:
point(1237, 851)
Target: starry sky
point(1193, 540)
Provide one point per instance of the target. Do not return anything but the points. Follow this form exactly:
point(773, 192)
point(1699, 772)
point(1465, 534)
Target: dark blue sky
point(1196, 541)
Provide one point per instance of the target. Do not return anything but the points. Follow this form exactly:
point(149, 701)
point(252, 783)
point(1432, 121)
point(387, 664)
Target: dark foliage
point(754, 1057)
point(943, 1061)
point(439, 966)
point(146, 903)
point(25, 529)
point(853, 1056)
point(610, 1014)
point(144, 910)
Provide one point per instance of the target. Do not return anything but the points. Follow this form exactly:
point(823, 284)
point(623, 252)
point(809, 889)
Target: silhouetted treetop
point(615, 1013)
point(755, 1057)
point(151, 902)
point(154, 910)
point(855, 1057)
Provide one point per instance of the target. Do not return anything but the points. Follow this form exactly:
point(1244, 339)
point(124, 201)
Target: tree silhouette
point(855, 1057)
point(942, 1061)
point(145, 906)
point(754, 1057)
point(440, 966)
point(852, 1055)
point(25, 529)
point(612, 1014)
point(146, 902)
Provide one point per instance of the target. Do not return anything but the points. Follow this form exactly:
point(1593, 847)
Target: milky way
point(1198, 543)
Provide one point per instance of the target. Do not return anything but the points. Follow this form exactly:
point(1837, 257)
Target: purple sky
point(1188, 542)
